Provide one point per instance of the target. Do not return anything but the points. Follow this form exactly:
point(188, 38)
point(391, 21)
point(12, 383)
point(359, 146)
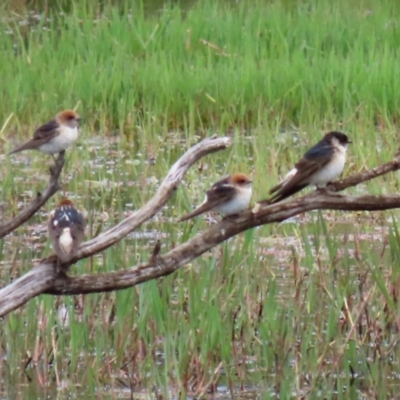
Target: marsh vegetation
point(308, 307)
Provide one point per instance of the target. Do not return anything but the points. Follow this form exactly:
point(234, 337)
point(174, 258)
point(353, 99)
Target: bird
point(321, 164)
point(55, 136)
point(66, 229)
point(228, 196)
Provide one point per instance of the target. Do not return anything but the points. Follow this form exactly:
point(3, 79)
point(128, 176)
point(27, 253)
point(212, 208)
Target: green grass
point(278, 309)
point(211, 65)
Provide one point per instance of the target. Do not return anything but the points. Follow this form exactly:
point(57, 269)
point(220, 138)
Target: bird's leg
point(230, 217)
point(62, 181)
point(58, 266)
point(322, 189)
point(326, 189)
point(59, 270)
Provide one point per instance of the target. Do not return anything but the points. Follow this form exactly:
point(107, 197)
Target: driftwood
point(41, 199)
point(43, 278)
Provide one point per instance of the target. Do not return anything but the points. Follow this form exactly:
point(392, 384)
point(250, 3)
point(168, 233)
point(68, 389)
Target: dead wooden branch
point(44, 280)
point(41, 277)
point(157, 202)
point(166, 264)
point(41, 198)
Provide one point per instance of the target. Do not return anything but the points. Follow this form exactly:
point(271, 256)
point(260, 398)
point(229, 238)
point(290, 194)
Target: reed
point(305, 307)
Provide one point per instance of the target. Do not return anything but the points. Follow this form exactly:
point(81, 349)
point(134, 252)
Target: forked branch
point(41, 278)
point(41, 198)
point(44, 280)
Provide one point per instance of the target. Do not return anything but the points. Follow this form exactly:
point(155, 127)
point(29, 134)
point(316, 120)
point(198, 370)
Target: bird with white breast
point(320, 165)
point(66, 230)
point(55, 136)
point(228, 197)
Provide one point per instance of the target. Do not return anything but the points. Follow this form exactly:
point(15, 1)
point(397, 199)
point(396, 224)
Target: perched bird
point(66, 230)
point(321, 164)
point(55, 136)
point(228, 196)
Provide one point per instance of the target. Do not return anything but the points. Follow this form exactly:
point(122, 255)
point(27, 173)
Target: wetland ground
point(304, 309)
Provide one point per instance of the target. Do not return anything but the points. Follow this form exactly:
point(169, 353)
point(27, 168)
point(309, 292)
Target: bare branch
point(156, 203)
point(43, 278)
point(46, 281)
point(26, 287)
point(216, 234)
point(41, 198)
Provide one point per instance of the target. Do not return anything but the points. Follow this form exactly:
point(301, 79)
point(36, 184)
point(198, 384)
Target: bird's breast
point(66, 241)
point(237, 204)
point(329, 171)
point(66, 137)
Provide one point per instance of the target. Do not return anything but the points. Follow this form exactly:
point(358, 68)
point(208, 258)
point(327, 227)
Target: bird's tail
point(199, 210)
point(282, 192)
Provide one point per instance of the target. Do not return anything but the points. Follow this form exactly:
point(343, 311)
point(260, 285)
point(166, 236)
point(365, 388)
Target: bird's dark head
point(336, 137)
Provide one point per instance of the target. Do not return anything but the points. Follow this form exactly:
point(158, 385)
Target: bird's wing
point(80, 224)
point(78, 233)
point(317, 151)
point(313, 160)
point(46, 131)
point(54, 230)
point(69, 218)
point(221, 192)
point(40, 136)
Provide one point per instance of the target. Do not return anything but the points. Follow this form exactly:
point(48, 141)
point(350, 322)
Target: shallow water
point(108, 176)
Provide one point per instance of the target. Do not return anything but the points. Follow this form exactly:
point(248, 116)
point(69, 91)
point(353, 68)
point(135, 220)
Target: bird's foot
point(60, 271)
point(327, 189)
point(230, 217)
